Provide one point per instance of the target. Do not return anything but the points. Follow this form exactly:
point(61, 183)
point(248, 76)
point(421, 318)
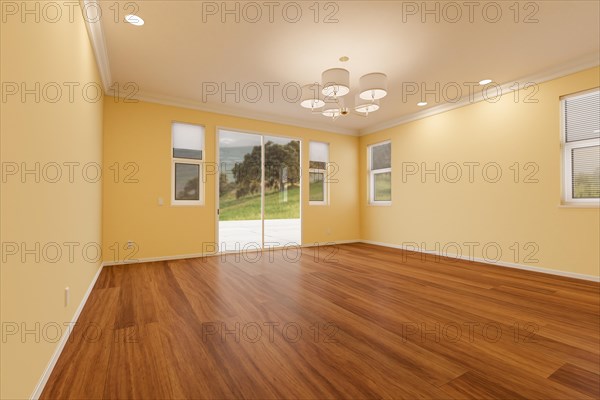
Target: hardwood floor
point(370, 322)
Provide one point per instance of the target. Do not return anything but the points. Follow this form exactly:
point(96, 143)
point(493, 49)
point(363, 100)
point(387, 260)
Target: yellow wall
point(114, 211)
point(493, 214)
point(140, 133)
point(32, 293)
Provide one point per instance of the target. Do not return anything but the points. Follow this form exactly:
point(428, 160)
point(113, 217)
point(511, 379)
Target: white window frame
point(325, 173)
point(567, 156)
point(189, 161)
point(374, 172)
point(325, 200)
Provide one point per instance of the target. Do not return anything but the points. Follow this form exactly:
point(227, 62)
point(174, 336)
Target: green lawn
point(315, 186)
point(383, 187)
point(248, 207)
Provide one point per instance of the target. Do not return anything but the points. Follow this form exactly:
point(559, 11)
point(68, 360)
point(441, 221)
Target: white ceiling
point(181, 50)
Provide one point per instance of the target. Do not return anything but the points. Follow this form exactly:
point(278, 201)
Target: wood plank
point(83, 366)
point(583, 381)
point(194, 323)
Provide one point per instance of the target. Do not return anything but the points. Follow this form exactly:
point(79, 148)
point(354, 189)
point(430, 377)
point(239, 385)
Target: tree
point(282, 167)
point(190, 190)
point(282, 164)
point(247, 174)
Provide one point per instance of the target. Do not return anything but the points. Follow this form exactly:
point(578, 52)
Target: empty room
point(300, 199)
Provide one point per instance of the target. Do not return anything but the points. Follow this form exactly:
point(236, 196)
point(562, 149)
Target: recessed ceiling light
point(422, 104)
point(134, 20)
point(485, 82)
point(344, 59)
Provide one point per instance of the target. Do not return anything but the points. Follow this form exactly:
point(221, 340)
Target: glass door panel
point(281, 192)
point(240, 196)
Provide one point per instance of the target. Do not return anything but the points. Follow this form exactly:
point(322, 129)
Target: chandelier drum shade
point(311, 97)
point(365, 106)
point(373, 86)
point(335, 84)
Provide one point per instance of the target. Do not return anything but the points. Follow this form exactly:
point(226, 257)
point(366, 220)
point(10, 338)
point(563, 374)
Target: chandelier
point(328, 98)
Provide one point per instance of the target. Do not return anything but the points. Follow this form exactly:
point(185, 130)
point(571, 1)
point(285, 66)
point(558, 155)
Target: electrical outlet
point(161, 201)
point(328, 231)
point(130, 244)
point(67, 296)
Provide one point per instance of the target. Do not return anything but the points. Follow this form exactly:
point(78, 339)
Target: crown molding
point(240, 113)
point(583, 63)
point(97, 39)
point(96, 35)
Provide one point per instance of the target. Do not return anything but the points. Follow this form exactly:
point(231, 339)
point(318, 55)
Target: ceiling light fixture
point(312, 97)
point(365, 106)
point(485, 82)
point(422, 103)
point(134, 20)
point(335, 85)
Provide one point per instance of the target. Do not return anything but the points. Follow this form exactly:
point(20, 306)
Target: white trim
point(188, 203)
point(325, 172)
point(96, 35)
point(262, 136)
point(240, 113)
point(188, 161)
point(325, 201)
point(586, 62)
point(262, 192)
point(373, 172)
point(39, 388)
point(567, 161)
point(220, 253)
point(217, 183)
point(383, 244)
point(156, 259)
point(548, 271)
point(98, 42)
point(332, 243)
point(581, 205)
point(567, 155)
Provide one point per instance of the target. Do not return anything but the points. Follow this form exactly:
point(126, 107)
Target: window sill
point(381, 204)
point(579, 205)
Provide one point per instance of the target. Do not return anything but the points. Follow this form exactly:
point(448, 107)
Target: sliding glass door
point(259, 191)
point(282, 191)
point(240, 177)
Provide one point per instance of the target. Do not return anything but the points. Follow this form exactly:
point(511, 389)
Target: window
point(318, 156)
point(380, 173)
point(581, 147)
point(187, 155)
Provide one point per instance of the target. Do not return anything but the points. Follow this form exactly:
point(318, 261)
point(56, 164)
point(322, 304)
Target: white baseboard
point(198, 255)
point(483, 261)
point(37, 392)
point(332, 243)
